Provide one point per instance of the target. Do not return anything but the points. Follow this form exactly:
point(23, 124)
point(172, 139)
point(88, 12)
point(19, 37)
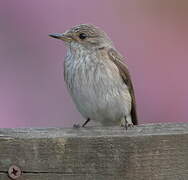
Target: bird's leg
point(86, 122)
point(76, 126)
point(126, 122)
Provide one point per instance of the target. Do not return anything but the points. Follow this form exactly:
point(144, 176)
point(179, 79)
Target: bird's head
point(85, 36)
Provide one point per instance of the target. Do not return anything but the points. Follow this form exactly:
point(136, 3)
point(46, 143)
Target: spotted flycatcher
point(97, 78)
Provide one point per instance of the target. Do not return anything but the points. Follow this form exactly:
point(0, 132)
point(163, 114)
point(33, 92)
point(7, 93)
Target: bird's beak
point(63, 36)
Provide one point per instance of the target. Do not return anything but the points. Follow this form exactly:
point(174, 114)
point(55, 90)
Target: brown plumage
point(97, 78)
point(124, 72)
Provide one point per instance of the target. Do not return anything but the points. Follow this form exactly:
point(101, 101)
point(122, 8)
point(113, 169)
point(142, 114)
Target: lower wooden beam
point(153, 151)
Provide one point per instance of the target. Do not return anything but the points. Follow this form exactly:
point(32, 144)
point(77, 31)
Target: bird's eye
point(82, 36)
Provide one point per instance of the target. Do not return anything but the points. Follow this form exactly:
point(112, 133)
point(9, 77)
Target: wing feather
point(123, 70)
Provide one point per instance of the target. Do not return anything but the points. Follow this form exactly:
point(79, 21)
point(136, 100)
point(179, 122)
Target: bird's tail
point(134, 116)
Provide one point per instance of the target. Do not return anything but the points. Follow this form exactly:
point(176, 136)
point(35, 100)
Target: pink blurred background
point(153, 34)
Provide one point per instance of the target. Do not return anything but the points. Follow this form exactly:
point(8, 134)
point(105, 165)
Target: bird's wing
point(124, 73)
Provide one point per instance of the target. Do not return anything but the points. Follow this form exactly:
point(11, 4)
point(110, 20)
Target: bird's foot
point(127, 124)
point(76, 126)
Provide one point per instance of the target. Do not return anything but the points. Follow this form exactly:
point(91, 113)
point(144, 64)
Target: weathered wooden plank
point(153, 151)
point(53, 176)
point(91, 177)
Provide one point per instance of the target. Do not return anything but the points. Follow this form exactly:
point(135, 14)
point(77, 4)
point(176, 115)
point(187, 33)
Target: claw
point(76, 126)
point(129, 126)
point(126, 123)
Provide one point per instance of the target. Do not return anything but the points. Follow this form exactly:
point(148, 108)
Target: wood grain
point(152, 151)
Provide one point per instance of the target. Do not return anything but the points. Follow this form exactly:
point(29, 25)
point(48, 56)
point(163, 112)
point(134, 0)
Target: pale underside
point(95, 84)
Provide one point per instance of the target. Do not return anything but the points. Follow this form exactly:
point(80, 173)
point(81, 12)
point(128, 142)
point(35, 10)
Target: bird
point(97, 77)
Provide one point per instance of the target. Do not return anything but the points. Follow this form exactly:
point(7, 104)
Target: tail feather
point(134, 116)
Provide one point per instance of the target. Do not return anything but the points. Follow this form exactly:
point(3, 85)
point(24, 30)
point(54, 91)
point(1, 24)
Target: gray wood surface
point(152, 151)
